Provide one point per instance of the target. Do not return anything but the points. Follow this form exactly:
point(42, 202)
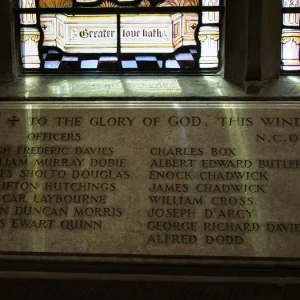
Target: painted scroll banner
point(151, 33)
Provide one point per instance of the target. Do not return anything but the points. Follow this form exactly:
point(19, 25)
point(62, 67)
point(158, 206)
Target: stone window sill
point(209, 88)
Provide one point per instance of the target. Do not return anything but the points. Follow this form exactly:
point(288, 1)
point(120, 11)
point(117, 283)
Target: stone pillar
point(251, 26)
point(271, 35)
point(7, 51)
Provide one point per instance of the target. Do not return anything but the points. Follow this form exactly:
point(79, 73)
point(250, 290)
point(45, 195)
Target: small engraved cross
point(13, 120)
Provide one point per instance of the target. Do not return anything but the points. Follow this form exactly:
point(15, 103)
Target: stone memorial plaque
point(194, 179)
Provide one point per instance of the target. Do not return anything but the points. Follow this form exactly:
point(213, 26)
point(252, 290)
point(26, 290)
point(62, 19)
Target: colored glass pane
point(290, 38)
point(111, 36)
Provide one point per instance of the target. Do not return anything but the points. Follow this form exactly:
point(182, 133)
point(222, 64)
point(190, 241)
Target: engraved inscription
point(209, 181)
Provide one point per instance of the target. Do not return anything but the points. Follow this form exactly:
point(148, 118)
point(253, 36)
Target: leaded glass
point(120, 35)
point(290, 38)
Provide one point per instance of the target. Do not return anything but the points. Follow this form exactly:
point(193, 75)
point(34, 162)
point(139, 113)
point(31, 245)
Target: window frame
point(128, 10)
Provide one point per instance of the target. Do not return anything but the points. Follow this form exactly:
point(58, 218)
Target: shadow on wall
point(81, 289)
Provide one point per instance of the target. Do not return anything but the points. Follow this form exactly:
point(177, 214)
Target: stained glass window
point(290, 38)
point(120, 35)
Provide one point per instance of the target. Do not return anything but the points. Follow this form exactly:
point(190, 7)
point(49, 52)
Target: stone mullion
point(8, 68)
point(252, 42)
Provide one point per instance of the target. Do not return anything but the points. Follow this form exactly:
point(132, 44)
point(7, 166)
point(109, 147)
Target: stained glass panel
point(120, 35)
point(290, 38)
